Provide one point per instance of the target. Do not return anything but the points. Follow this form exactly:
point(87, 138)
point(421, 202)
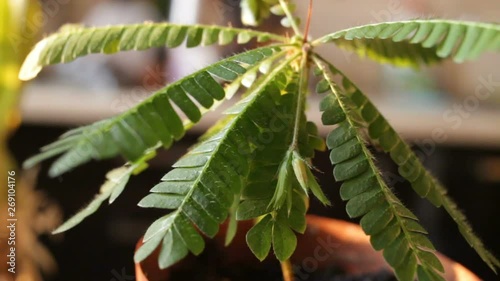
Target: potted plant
point(255, 164)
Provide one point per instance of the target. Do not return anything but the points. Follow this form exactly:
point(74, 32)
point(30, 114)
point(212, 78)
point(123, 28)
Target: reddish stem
point(308, 23)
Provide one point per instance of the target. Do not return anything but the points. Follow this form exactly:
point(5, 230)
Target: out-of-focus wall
point(58, 13)
point(461, 80)
point(465, 76)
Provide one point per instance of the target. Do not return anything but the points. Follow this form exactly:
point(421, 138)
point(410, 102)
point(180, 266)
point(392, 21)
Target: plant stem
point(290, 17)
point(286, 269)
point(301, 99)
point(308, 23)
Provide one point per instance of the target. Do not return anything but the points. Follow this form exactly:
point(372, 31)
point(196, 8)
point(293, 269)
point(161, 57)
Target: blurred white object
point(183, 61)
point(95, 71)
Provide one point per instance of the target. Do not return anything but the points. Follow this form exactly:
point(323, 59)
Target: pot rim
point(326, 242)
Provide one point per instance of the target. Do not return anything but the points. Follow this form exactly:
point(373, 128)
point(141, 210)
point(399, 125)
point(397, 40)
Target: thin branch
point(301, 99)
point(308, 23)
point(290, 17)
point(287, 270)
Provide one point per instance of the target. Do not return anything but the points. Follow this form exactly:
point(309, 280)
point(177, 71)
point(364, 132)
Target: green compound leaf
point(271, 161)
point(204, 183)
point(392, 227)
point(411, 168)
point(154, 122)
point(72, 42)
point(415, 42)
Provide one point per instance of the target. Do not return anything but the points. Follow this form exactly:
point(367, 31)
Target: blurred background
point(451, 113)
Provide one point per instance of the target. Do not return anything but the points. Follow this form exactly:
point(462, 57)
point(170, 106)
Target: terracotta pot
point(326, 243)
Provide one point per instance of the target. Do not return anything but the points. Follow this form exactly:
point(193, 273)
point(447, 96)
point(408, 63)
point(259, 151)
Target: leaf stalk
point(290, 17)
point(302, 94)
point(308, 23)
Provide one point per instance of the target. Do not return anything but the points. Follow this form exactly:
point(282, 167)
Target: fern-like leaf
point(411, 168)
point(153, 122)
point(116, 180)
point(271, 173)
point(114, 185)
point(418, 41)
point(203, 184)
point(72, 41)
point(273, 191)
point(392, 227)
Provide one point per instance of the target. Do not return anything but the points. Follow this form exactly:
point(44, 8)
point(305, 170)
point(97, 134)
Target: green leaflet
point(284, 184)
point(401, 54)
point(259, 237)
point(203, 184)
point(418, 42)
point(307, 180)
point(392, 227)
point(251, 75)
point(172, 250)
point(153, 122)
point(411, 168)
point(284, 240)
point(177, 236)
point(272, 231)
point(77, 41)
